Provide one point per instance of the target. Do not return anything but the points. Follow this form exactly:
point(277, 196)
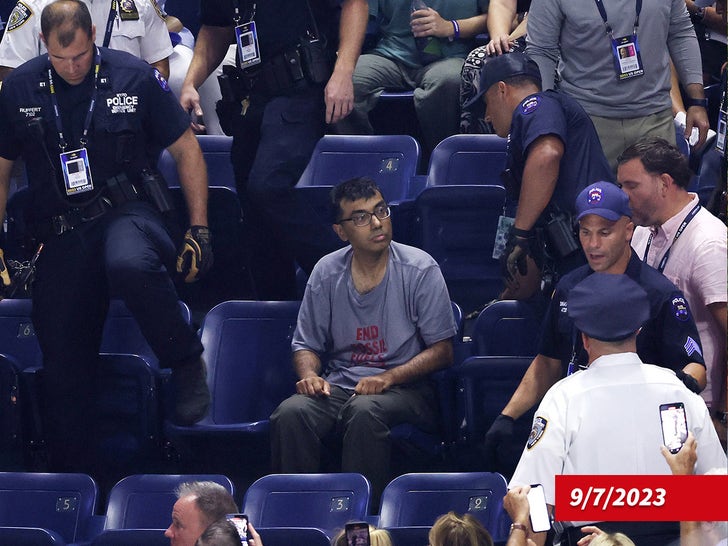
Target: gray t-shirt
point(359, 335)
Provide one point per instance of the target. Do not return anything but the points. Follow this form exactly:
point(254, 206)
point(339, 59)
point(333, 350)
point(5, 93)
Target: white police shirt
point(606, 420)
point(140, 31)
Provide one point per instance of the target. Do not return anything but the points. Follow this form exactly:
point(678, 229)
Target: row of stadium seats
point(247, 350)
point(301, 509)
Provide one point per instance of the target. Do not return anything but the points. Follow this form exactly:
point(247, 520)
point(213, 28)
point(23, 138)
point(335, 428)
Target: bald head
point(64, 18)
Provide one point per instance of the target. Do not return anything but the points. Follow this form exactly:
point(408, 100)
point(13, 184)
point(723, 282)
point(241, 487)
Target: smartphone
point(674, 425)
point(241, 524)
point(538, 511)
point(357, 533)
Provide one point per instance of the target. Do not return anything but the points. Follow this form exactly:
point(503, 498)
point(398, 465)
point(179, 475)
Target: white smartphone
point(674, 425)
point(538, 511)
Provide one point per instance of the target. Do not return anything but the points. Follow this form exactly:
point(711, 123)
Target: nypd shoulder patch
point(539, 427)
point(161, 80)
point(530, 104)
point(680, 308)
point(19, 16)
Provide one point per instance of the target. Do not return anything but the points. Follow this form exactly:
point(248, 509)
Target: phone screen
point(538, 511)
point(241, 524)
point(357, 534)
point(674, 425)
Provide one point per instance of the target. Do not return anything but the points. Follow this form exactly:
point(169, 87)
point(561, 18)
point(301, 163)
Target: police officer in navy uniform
point(553, 152)
point(669, 338)
point(89, 122)
point(283, 93)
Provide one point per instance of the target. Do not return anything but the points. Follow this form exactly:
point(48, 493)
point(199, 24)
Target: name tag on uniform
point(76, 171)
point(627, 59)
point(246, 36)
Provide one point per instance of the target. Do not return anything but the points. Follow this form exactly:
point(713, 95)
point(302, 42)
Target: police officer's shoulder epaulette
point(19, 16)
point(530, 104)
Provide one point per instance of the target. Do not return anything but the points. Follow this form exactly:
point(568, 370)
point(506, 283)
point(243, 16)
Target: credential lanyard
point(89, 114)
point(110, 23)
point(685, 222)
point(608, 27)
point(238, 17)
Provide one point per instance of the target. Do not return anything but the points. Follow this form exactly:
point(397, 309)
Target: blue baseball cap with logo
point(604, 199)
point(501, 68)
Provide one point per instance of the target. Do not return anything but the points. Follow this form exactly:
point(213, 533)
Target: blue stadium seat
point(216, 152)
point(506, 328)
point(322, 501)
point(145, 501)
point(249, 372)
point(391, 160)
point(64, 503)
point(17, 335)
point(457, 215)
point(484, 385)
point(131, 537)
point(30, 536)
point(288, 536)
point(708, 176)
point(417, 500)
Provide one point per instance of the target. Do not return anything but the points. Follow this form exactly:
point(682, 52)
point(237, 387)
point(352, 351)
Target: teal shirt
point(397, 41)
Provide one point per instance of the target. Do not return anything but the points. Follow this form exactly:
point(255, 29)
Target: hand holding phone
point(241, 524)
point(674, 425)
point(538, 511)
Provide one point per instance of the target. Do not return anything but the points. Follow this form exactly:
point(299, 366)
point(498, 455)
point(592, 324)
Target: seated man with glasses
point(375, 322)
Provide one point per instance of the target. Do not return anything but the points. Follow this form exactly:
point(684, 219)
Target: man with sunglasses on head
point(375, 322)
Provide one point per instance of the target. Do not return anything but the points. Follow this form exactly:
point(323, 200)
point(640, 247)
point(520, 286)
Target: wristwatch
point(519, 526)
point(696, 102)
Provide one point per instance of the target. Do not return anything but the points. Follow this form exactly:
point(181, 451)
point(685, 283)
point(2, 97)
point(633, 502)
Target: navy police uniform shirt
point(553, 113)
point(280, 23)
point(136, 115)
point(669, 338)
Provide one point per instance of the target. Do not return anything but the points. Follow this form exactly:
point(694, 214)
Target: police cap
point(501, 68)
point(608, 307)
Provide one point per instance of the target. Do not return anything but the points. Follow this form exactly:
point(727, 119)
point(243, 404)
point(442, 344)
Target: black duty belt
point(74, 217)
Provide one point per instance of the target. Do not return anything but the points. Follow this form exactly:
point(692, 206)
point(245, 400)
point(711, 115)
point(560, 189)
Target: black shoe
point(191, 395)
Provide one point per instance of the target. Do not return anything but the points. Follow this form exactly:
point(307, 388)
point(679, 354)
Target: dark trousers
point(125, 254)
point(272, 146)
point(301, 423)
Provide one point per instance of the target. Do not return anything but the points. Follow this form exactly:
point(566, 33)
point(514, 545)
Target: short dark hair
point(213, 500)
point(658, 156)
point(351, 190)
point(523, 80)
point(65, 16)
point(220, 532)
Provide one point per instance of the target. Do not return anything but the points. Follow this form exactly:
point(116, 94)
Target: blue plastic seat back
point(64, 503)
point(419, 499)
point(248, 354)
point(30, 536)
point(289, 536)
point(506, 328)
point(324, 501)
point(145, 501)
point(17, 335)
point(466, 160)
point(215, 151)
point(391, 160)
point(129, 537)
point(457, 227)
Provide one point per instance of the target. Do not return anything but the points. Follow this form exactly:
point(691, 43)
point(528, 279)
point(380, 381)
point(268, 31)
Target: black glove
point(500, 431)
point(690, 382)
point(4, 275)
point(195, 256)
point(518, 247)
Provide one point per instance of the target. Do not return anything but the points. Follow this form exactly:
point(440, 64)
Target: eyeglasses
point(363, 218)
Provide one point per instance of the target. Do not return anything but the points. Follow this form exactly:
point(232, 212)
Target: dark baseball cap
point(608, 307)
point(604, 199)
point(501, 68)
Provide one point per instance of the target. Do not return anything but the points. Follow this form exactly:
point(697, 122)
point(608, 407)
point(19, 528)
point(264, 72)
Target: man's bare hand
point(313, 386)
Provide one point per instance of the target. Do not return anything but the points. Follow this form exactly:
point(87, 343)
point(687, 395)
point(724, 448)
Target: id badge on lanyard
point(246, 37)
point(76, 171)
point(627, 58)
point(720, 140)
